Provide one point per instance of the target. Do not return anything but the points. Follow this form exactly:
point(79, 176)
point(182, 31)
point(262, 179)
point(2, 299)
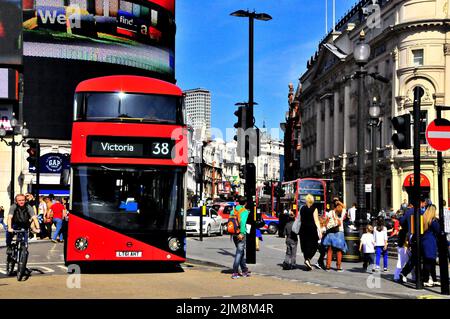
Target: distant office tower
point(198, 112)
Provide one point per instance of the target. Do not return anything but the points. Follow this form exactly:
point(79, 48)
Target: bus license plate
point(136, 254)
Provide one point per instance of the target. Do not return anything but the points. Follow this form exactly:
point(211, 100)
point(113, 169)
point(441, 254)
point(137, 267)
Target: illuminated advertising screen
point(136, 33)
point(10, 32)
point(69, 41)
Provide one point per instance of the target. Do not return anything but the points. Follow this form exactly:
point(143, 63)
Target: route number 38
point(160, 149)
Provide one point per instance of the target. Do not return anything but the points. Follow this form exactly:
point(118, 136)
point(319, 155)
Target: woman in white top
point(381, 243)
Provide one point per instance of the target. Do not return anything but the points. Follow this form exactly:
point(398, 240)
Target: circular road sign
point(438, 135)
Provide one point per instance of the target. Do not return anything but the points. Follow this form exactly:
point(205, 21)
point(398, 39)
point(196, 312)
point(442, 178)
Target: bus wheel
point(272, 229)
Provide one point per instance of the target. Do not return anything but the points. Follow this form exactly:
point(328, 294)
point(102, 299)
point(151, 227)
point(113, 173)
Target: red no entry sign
point(438, 135)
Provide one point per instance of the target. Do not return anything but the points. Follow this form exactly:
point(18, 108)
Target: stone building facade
point(410, 48)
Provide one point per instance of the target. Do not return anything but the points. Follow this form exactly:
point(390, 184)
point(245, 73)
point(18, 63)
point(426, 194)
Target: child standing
point(381, 243)
point(291, 243)
point(367, 247)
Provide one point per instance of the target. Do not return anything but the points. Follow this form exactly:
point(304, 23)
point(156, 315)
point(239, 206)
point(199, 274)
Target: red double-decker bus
point(128, 161)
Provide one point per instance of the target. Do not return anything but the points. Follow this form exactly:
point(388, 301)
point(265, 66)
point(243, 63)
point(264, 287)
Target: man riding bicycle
point(20, 216)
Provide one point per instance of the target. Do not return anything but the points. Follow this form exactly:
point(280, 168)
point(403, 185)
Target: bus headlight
point(174, 244)
point(81, 244)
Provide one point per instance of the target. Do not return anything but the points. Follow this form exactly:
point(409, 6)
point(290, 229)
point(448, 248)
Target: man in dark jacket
point(20, 216)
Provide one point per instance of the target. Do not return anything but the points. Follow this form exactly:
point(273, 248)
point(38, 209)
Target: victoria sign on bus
point(110, 146)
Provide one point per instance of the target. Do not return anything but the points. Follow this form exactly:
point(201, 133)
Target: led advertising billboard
point(68, 41)
point(134, 33)
point(10, 32)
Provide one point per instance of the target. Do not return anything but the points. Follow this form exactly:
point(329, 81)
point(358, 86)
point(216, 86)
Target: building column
point(319, 131)
point(346, 127)
point(328, 130)
point(336, 127)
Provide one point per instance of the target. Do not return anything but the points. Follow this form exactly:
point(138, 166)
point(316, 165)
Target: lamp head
point(263, 17)
point(13, 121)
point(240, 13)
point(25, 131)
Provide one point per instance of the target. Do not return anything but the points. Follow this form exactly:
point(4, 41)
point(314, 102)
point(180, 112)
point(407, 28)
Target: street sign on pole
point(438, 135)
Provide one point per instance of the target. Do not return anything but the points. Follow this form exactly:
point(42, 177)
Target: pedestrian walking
point(335, 240)
point(259, 238)
point(58, 212)
point(2, 218)
point(381, 243)
point(405, 224)
point(403, 251)
point(431, 230)
point(322, 248)
point(48, 217)
point(309, 230)
point(367, 248)
point(42, 211)
point(291, 244)
point(240, 239)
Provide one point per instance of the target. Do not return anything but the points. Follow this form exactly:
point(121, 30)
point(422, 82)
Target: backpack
point(233, 224)
point(21, 216)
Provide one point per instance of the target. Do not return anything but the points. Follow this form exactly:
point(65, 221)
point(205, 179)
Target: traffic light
point(242, 172)
point(32, 152)
point(267, 188)
point(402, 124)
point(279, 191)
point(241, 113)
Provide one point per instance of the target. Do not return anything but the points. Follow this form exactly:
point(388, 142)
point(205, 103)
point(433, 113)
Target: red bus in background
point(129, 158)
point(296, 191)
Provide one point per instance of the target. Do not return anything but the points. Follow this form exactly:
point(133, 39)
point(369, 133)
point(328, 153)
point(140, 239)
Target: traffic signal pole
point(418, 93)
point(442, 239)
point(13, 166)
point(250, 183)
point(38, 174)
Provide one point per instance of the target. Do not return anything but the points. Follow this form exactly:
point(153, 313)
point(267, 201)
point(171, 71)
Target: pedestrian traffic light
point(267, 188)
point(32, 152)
point(242, 172)
point(402, 124)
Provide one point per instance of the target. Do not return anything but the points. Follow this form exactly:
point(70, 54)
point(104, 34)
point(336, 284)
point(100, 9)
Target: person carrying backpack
point(21, 216)
point(239, 239)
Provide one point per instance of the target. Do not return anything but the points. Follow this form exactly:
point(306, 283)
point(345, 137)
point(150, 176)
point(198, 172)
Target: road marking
point(44, 263)
point(3, 271)
point(286, 294)
point(226, 296)
point(370, 295)
point(314, 293)
point(257, 295)
point(46, 269)
point(63, 267)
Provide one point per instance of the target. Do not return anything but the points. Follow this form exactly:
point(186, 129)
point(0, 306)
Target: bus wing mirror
point(65, 177)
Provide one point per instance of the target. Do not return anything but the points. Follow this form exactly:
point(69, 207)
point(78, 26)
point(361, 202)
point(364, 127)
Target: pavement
point(206, 274)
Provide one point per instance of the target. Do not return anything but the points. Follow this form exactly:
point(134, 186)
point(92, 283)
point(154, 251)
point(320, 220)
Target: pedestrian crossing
point(41, 268)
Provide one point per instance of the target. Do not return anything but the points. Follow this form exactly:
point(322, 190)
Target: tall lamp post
point(361, 54)
point(24, 132)
point(250, 184)
point(374, 113)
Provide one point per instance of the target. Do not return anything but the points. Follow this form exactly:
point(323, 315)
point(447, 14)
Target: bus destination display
point(110, 146)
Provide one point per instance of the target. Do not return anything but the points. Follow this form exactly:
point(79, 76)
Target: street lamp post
point(361, 55)
point(24, 132)
point(374, 113)
point(250, 184)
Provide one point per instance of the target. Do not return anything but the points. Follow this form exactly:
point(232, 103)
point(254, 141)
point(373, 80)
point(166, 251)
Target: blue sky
point(212, 52)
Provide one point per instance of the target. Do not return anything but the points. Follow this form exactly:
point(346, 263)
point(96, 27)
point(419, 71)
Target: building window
point(417, 57)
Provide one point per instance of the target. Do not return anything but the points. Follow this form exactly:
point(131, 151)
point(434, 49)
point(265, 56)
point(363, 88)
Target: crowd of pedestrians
point(325, 234)
point(51, 212)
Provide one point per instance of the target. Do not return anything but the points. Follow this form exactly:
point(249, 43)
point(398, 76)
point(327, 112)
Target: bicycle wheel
point(22, 262)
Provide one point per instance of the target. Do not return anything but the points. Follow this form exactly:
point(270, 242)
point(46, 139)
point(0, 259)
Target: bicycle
point(19, 255)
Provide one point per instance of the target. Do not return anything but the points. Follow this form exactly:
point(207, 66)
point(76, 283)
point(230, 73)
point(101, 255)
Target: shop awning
point(409, 181)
